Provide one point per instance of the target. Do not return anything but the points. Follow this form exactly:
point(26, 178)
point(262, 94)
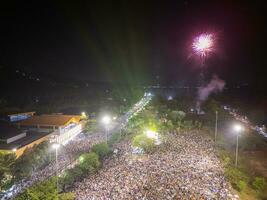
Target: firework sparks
point(203, 44)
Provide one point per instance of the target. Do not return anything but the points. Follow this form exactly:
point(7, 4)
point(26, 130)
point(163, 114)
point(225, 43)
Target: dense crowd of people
point(185, 166)
point(67, 156)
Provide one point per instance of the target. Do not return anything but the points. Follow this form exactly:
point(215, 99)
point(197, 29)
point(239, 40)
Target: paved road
point(68, 154)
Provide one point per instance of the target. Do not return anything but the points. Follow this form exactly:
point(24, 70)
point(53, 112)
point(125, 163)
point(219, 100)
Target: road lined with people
point(68, 154)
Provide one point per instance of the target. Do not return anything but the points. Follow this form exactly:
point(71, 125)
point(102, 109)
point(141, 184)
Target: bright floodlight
point(203, 44)
point(14, 150)
point(237, 128)
point(83, 114)
point(106, 119)
point(55, 146)
point(151, 134)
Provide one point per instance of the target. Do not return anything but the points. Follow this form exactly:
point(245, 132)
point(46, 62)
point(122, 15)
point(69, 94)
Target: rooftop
point(50, 120)
point(8, 130)
point(31, 137)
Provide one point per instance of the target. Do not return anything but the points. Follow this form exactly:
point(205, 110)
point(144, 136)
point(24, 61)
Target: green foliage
point(144, 142)
point(169, 125)
point(177, 115)
point(7, 162)
point(32, 159)
point(68, 178)
point(89, 162)
point(241, 185)
point(237, 177)
point(101, 149)
point(23, 167)
point(67, 196)
point(45, 190)
point(259, 184)
point(188, 125)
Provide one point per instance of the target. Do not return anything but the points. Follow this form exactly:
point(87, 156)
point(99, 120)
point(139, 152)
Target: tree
point(177, 115)
point(45, 190)
point(7, 161)
point(143, 142)
point(101, 149)
point(89, 162)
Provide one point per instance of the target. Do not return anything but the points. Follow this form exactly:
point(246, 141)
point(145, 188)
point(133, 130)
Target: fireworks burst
point(203, 45)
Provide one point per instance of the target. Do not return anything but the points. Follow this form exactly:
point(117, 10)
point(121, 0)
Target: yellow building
point(63, 127)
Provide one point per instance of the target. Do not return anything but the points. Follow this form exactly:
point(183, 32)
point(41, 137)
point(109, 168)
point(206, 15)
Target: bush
point(237, 178)
point(89, 162)
point(32, 159)
point(259, 183)
point(45, 190)
point(144, 142)
point(68, 178)
point(101, 149)
point(241, 185)
point(67, 196)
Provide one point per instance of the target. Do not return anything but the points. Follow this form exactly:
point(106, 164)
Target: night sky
point(134, 41)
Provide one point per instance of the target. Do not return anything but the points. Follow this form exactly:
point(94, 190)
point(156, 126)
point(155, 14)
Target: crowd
point(185, 166)
point(67, 156)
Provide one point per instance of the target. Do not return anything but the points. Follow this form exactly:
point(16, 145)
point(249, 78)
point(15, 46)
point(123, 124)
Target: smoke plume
point(215, 85)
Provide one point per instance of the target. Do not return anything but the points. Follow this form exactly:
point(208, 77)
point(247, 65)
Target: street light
point(56, 146)
point(106, 121)
point(216, 126)
point(237, 128)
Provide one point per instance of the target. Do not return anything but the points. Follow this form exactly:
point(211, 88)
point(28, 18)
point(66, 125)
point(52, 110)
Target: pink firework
point(203, 44)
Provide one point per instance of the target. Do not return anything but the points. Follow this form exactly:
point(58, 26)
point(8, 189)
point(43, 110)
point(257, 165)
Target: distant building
point(20, 116)
point(15, 140)
point(62, 127)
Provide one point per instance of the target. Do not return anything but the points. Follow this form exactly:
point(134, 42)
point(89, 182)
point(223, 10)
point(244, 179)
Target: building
point(62, 127)
point(14, 140)
point(20, 116)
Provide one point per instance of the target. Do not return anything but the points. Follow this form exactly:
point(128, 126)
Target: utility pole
point(216, 126)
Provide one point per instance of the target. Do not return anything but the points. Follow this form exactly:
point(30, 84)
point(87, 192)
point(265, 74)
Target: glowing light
point(106, 120)
point(14, 150)
point(238, 128)
point(203, 44)
point(55, 146)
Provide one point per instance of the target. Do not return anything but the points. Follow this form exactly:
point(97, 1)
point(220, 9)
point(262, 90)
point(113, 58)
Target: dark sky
point(133, 41)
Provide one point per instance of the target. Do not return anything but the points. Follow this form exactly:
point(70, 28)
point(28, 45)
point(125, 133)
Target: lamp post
point(56, 146)
point(106, 120)
point(237, 128)
point(216, 126)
